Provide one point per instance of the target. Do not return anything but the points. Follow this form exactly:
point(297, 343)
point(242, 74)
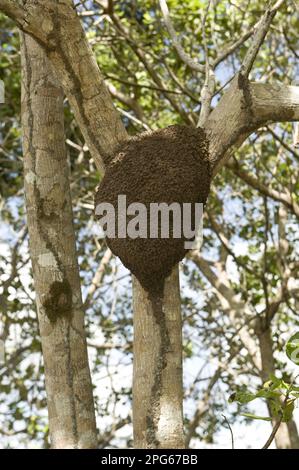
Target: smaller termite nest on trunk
point(58, 302)
point(164, 166)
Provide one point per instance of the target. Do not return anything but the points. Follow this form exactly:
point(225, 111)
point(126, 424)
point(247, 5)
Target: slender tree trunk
point(287, 434)
point(157, 382)
point(53, 255)
point(244, 108)
point(293, 433)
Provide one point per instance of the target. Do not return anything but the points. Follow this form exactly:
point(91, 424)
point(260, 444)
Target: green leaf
point(267, 394)
point(288, 411)
point(250, 415)
point(275, 383)
point(292, 348)
point(242, 397)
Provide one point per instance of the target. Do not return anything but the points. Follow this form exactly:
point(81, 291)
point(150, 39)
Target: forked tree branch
point(192, 64)
point(244, 108)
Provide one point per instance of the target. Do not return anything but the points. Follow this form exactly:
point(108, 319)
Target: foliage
point(280, 396)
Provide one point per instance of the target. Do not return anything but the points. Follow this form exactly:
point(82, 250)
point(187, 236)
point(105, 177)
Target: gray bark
point(157, 381)
point(53, 255)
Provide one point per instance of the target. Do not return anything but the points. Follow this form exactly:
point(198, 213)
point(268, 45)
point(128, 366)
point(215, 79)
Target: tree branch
point(202, 407)
point(97, 278)
point(230, 49)
point(175, 41)
point(14, 10)
point(125, 32)
point(57, 28)
point(259, 36)
point(284, 197)
point(208, 88)
point(231, 303)
point(244, 108)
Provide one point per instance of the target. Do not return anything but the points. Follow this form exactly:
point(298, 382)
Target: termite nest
point(164, 166)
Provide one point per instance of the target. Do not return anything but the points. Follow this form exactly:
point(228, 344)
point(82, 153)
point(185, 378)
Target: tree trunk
point(287, 434)
point(53, 255)
point(157, 382)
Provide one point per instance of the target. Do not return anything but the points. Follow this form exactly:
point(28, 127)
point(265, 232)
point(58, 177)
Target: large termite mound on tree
point(165, 166)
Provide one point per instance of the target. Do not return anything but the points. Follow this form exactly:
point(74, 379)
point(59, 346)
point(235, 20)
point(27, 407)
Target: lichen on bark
point(58, 302)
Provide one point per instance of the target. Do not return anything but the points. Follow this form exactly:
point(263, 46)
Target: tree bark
point(53, 255)
point(287, 434)
point(157, 381)
point(244, 108)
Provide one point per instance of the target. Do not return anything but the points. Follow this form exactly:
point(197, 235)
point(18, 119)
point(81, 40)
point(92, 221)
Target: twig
point(231, 431)
point(138, 85)
point(273, 433)
point(233, 47)
point(98, 277)
point(133, 118)
point(209, 85)
point(276, 427)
